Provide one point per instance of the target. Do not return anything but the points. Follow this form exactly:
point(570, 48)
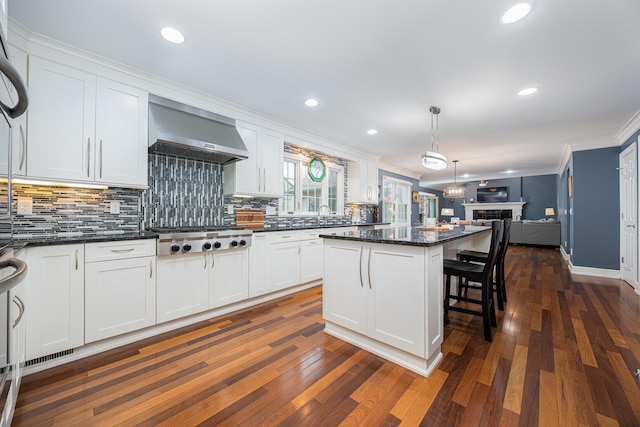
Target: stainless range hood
point(189, 132)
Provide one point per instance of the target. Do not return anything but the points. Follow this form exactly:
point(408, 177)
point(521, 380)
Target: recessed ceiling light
point(311, 102)
point(528, 91)
point(509, 171)
point(372, 132)
point(172, 35)
point(516, 13)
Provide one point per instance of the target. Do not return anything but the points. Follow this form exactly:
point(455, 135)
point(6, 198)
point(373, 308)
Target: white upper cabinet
point(121, 134)
point(85, 128)
point(362, 182)
point(261, 174)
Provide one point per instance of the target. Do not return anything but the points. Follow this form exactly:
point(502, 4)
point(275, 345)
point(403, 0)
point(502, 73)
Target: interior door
point(629, 215)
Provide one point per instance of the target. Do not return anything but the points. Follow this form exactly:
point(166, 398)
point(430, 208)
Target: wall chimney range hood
point(184, 131)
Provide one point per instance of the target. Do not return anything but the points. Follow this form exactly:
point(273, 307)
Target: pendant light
point(433, 159)
point(455, 192)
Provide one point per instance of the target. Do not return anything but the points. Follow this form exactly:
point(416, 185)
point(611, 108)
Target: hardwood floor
point(564, 354)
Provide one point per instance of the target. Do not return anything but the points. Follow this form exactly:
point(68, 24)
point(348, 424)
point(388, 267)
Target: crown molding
point(629, 128)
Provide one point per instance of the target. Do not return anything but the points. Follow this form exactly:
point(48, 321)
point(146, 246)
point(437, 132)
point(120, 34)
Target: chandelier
point(455, 192)
point(432, 159)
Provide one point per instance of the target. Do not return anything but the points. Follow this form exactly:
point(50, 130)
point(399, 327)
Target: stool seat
point(475, 256)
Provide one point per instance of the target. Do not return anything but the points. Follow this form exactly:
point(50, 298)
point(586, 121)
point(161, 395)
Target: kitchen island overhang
point(383, 290)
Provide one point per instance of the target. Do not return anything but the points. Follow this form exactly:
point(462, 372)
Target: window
point(303, 196)
point(396, 202)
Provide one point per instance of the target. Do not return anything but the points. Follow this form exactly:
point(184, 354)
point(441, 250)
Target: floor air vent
point(48, 357)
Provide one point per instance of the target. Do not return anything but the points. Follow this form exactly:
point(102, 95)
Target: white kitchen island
point(383, 290)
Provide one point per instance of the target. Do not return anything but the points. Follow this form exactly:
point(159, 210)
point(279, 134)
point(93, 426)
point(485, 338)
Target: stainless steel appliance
point(184, 240)
point(185, 131)
point(12, 339)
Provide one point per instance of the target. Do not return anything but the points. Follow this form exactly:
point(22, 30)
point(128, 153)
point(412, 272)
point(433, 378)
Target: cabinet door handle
point(213, 260)
point(150, 269)
point(259, 180)
point(100, 158)
point(205, 261)
point(88, 155)
point(369, 268)
point(120, 251)
point(360, 265)
point(264, 180)
point(23, 145)
point(76, 260)
point(298, 248)
point(21, 307)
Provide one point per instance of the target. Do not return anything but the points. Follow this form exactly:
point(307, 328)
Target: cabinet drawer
point(121, 249)
point(284, 236)
point(309, 234)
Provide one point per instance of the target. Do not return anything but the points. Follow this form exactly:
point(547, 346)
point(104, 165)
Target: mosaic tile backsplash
point(67, 211)
point(182, 192)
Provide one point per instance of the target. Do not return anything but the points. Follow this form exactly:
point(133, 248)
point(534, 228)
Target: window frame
point(408, 202)
point(300, 171)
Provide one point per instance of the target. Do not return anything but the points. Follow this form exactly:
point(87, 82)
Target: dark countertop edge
point(439, 241)
point(315, 227)
point(21, 243)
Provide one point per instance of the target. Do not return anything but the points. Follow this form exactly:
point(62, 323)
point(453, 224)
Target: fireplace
point(503, 210)
point(492, 213)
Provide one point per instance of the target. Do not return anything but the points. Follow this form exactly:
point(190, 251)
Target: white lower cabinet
point(228, 277)
point(377, 290)
point(182, 286)
point(283, 260)
point(258, 265)
point(120, 293)
point(310, 256)
point(54, 289)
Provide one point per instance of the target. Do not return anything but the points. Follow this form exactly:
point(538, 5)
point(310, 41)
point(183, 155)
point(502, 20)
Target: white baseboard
point(597, 272)
point(564, 254)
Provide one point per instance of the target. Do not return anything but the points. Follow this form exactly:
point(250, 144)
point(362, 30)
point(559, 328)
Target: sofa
point(543, 233)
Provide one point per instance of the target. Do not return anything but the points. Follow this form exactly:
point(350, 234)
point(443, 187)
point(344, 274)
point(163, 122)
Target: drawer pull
point(121, 251)
point(21, 307)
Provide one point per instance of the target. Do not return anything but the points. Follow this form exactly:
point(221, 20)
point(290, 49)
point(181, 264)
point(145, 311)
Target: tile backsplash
point(182, 192)
point(62, 210)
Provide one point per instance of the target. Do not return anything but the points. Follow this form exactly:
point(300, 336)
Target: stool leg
point(488, 315)
point(447, 292)
point(498, 288)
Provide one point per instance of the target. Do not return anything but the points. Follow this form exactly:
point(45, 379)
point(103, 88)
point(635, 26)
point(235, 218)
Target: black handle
point(13, 76)
point(13, 279)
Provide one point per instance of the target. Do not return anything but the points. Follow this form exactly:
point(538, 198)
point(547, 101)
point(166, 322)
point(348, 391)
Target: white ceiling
point(381, 64)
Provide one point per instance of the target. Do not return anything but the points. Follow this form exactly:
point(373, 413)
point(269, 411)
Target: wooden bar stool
point(499, 283)
point(477, 273)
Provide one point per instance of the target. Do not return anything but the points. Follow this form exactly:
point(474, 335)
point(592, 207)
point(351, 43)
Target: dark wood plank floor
point(564, 354)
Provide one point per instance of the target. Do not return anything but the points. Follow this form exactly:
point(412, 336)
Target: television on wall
point(492, 195)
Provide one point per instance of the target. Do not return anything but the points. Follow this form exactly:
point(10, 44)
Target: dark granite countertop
point(313, 227)
point(21, 242)
point(415, 237)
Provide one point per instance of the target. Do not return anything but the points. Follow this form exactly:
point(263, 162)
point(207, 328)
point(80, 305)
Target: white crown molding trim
point(397, 169)
point(596, 272)
point(594, 144)
point(629, 128)
point(565, 159)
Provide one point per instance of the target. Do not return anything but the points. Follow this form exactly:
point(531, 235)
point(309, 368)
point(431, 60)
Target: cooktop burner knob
point(243, 243)
point(217, 245)
point(234, 243)
point(186, 247)
point(206, 246)
point(174, 248)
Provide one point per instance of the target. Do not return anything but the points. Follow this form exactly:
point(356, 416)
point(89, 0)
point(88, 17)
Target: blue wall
point(595, 228)
point(539, 192)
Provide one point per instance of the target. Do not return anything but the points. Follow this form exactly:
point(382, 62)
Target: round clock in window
point(317, 169)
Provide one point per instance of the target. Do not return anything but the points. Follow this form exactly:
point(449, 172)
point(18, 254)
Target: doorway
point(629, 215)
